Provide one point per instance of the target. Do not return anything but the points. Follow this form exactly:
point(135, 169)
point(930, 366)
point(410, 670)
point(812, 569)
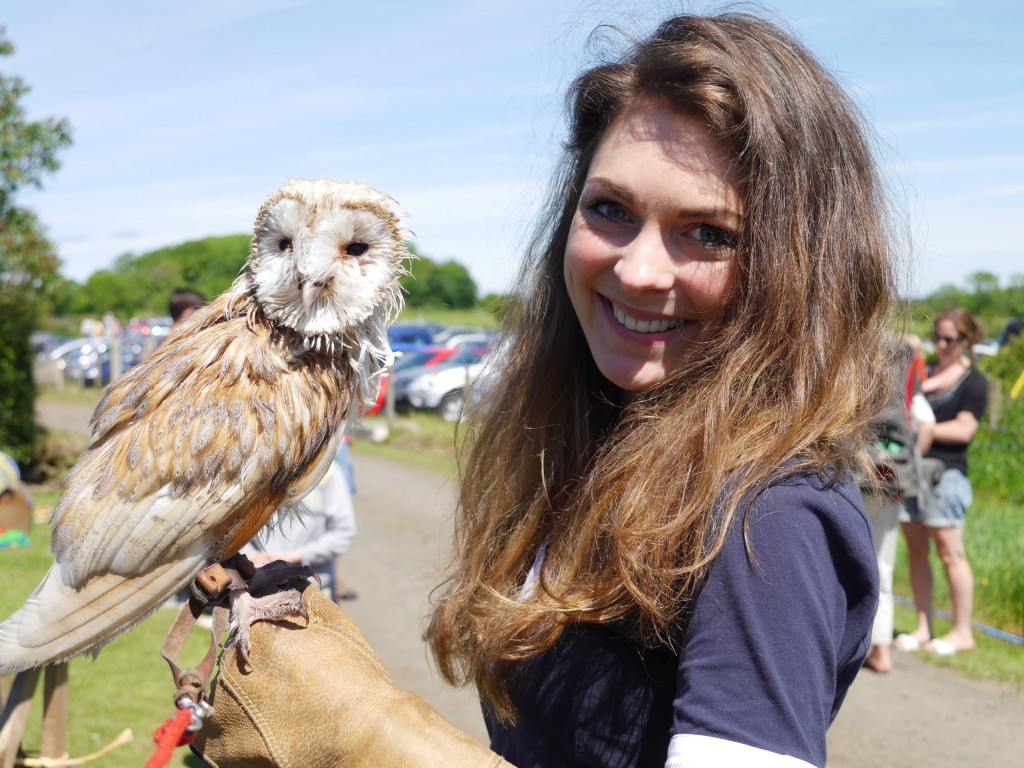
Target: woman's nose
point(645, 264)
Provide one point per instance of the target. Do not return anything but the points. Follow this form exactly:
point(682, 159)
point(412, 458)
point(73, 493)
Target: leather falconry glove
point(317, 695)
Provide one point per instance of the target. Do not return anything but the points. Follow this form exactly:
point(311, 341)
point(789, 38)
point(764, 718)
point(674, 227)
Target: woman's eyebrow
point(606, 185)
point(725, 214)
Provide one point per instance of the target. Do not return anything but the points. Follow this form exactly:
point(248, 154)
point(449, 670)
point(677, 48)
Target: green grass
point(477, 317)
point(441, 465)
point(994, 539)
point(421, 439)
point(71, 393)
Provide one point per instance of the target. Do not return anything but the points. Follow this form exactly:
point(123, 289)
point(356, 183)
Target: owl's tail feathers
point(58, 622)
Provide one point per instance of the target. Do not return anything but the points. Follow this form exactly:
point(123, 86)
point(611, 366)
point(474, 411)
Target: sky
point(186, 115)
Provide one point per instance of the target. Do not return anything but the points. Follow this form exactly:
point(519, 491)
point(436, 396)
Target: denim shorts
point(949, 501)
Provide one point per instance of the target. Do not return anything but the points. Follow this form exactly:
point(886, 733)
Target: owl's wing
point(196, 448)
point(191, 453)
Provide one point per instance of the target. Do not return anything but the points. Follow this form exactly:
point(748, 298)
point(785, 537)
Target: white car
point(76, 360)
point(440, 387)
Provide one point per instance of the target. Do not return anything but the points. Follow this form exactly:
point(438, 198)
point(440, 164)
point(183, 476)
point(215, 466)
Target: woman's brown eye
point(356, 249)
point(284, 244)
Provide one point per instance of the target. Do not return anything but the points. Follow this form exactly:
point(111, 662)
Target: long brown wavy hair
point(634, 497)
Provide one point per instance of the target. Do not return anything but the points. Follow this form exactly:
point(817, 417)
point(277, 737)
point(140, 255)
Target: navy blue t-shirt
point(764, 661)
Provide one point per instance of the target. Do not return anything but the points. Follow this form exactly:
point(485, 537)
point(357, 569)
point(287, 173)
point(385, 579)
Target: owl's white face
point(326, 257)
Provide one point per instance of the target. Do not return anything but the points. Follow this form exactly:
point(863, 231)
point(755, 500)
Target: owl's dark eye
point(284, 244)
point(356, 249)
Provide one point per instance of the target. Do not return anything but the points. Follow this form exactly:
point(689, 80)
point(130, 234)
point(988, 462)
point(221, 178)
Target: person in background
point(16, 505)
point(958, 394)
point(91, 328)
point(111, 326)
point(344, 460)
point(316, 536)
point(183, 302)
point(896, 484)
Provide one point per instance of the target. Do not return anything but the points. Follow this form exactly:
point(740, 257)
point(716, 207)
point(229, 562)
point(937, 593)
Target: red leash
point(169, 737)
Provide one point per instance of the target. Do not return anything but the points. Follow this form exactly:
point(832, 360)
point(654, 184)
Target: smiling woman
point(677, 421)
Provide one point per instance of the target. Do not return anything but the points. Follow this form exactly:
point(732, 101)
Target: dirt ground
point(919, 715)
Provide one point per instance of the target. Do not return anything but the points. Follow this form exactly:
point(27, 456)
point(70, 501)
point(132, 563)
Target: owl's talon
point(247, 609)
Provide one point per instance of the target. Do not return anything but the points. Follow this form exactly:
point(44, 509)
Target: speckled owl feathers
point(238, 414)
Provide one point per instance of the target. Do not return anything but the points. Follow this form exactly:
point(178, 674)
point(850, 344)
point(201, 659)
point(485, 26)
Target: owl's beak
point(311, 290)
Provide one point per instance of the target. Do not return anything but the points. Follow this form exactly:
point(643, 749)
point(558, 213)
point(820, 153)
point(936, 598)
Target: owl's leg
point(221, 578)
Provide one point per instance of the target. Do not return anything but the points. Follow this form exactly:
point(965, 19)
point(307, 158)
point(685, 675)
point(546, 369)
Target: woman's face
point(650, 256)
point(949, 344)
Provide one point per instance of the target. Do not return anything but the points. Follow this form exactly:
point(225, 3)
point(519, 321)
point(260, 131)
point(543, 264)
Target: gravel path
point(919, 715)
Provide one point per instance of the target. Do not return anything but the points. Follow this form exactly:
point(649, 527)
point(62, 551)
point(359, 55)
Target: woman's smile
point(630, 320)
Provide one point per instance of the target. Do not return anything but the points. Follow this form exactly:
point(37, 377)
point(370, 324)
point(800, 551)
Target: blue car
point(408, 338)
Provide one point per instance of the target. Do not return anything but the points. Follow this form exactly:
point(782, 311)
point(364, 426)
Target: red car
point(427, 356)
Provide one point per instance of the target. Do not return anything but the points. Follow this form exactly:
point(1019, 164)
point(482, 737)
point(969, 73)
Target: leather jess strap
point(192, 683)
point(210, 589)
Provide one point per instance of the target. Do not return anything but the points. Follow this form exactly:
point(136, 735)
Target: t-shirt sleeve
point(776, 636)
point(975, 394)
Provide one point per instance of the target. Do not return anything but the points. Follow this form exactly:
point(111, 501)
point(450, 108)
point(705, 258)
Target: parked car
point(425, 358)
point(382, 397)
point(406, 338)
point(77, 360)
point(87, 360)
point(466, 339)
point(43, 342)
point(440, 387)
point(992, 346)
point(149, 326)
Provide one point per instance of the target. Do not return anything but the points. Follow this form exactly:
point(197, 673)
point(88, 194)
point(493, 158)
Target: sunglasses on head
point(948, 339)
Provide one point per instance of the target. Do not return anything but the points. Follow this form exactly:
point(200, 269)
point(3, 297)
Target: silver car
point(440, 387)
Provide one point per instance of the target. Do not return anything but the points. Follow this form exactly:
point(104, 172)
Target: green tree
point(105, 290)
point(451, 286)
point(140, 285)
point(430, 284)
point(984, 292)
point(28, 263)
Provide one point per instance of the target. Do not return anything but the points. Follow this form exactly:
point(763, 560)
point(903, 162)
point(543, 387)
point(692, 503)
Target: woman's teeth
point(645, 326)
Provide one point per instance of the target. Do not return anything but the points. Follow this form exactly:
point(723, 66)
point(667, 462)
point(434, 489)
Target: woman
point(898, 428)
point(958, 394)
point(660, 559)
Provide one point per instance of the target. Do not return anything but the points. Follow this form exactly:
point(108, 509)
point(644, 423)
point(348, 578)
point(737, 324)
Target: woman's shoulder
point(973, 394)
point(806, 532)
point(811, 491)
point(804, 508)
point(976, 378)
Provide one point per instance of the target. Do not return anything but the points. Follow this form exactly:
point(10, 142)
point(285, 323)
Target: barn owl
point(239, 413)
